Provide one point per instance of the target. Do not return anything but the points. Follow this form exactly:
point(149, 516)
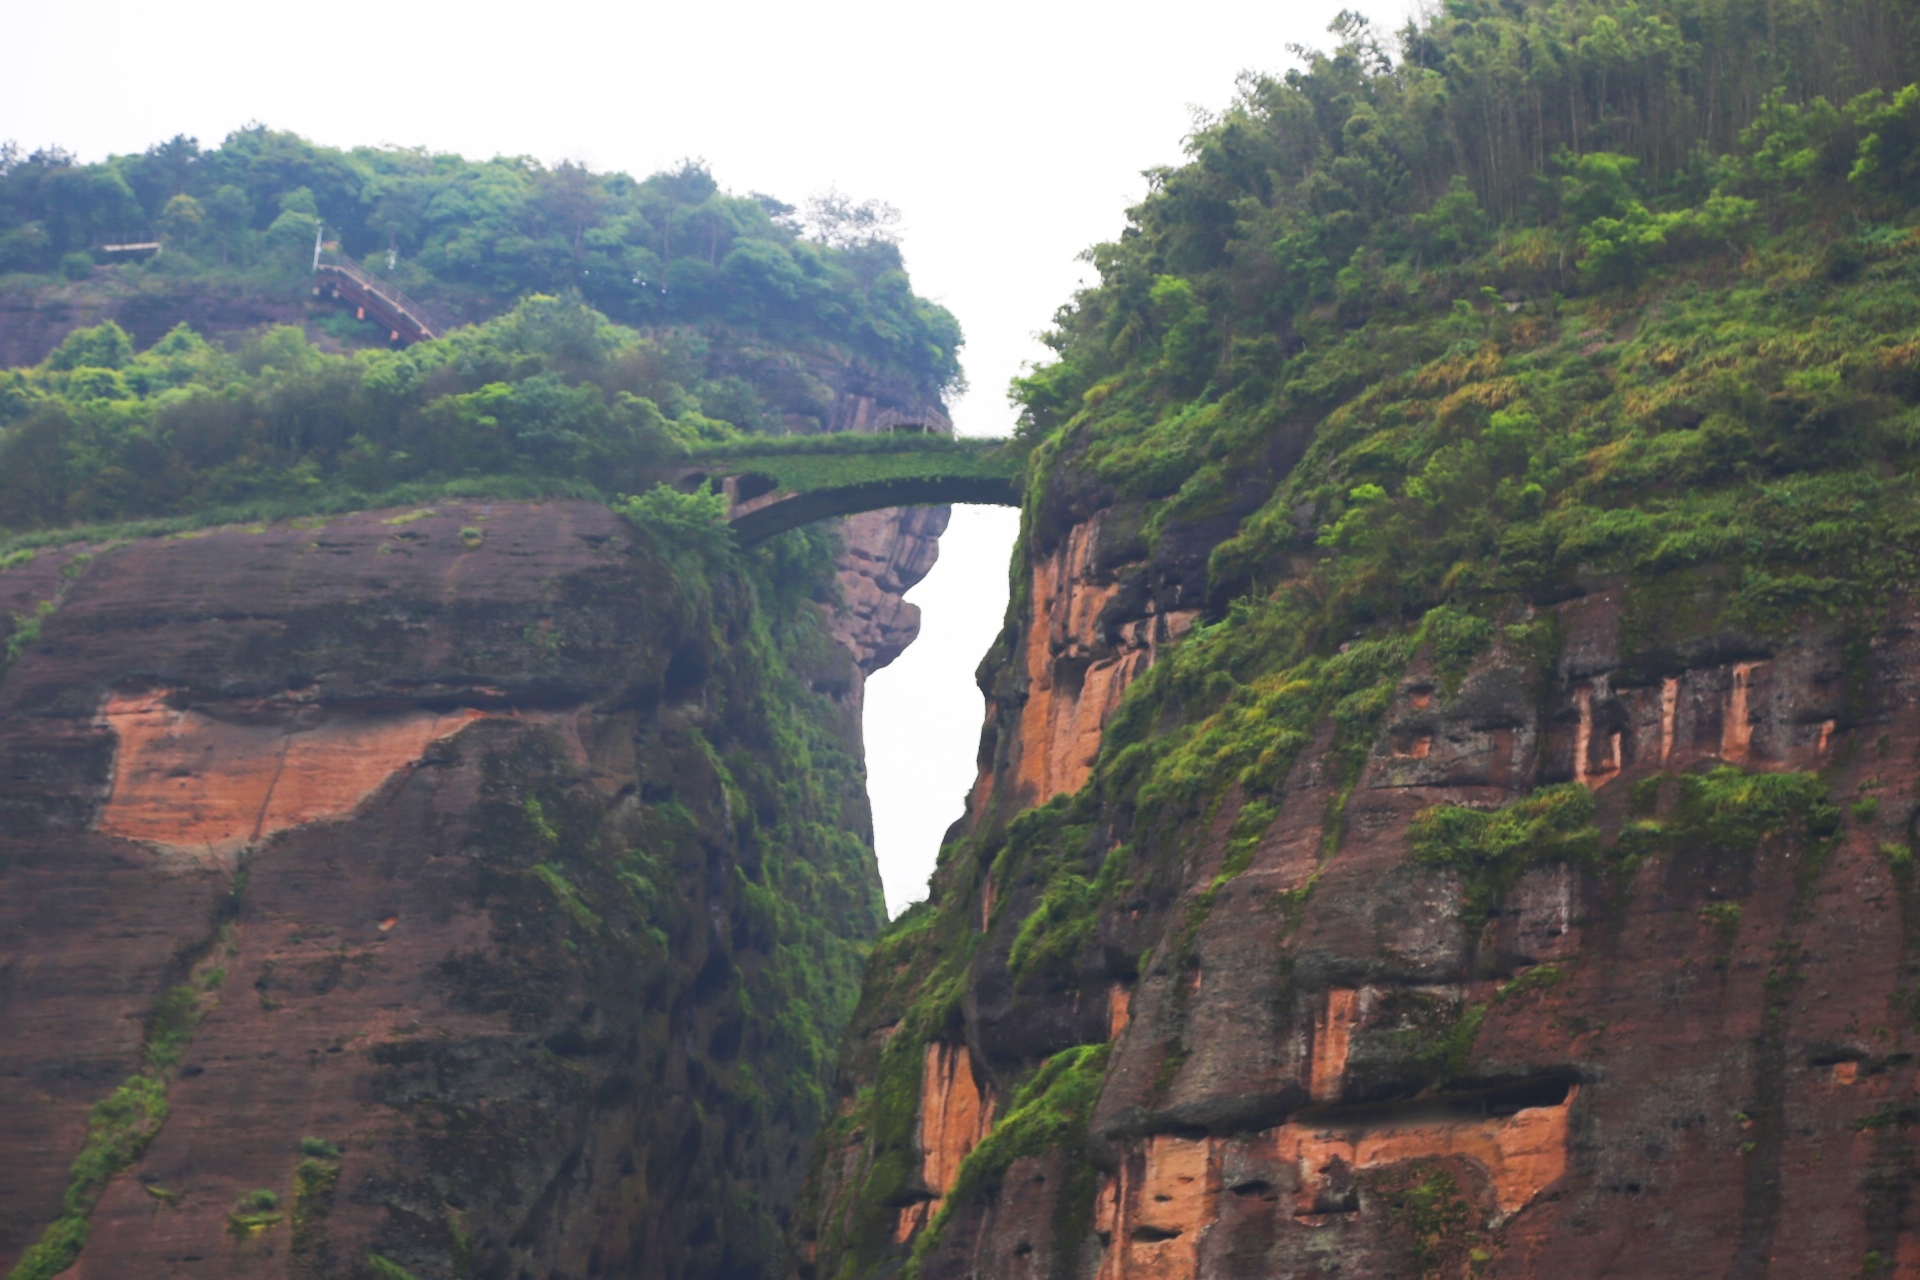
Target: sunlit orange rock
point(1158, 1208)
point(1331, 1036)
point(1075, 678)
point(954, 1116)
point(1523, 1154)
point(205, 786)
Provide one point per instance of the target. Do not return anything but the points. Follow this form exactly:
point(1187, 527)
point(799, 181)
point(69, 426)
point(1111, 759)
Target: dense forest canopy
point(1531, 148)
point(627, 319)
point(472, 236)
point(550, 393)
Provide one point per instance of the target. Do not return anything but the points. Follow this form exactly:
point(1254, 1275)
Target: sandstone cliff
point(474, 890)
point(1447, 800)
point(1297, 1045)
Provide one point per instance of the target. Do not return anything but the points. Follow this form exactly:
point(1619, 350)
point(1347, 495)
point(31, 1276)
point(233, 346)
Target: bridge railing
point(851, 442)
point(757, 523)
point(416, 317)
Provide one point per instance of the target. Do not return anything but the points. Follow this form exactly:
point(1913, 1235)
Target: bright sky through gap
point(924, 711)
point(1010, 136)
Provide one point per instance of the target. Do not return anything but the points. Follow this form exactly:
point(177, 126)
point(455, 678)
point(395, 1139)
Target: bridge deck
point(761, 523)
point(783, 483)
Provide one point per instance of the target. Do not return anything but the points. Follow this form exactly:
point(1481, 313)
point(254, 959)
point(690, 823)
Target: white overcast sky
point(1010, 136)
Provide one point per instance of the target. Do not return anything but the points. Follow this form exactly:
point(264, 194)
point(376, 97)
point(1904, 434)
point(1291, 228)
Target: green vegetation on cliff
point(550, 397)
point(728, 897)
point(470, 237)
point(615, 322)
point(1435, 336)
point(1491, 414)
point(721, 906)
point(119, 1127)
point(1735, 415)
point(549, 393)
point(647, 990)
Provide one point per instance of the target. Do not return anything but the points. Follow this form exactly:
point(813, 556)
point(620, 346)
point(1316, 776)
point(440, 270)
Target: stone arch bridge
point(779, 483)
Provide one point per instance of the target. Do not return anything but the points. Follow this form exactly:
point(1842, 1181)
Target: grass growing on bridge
point(848, 442)
point(805, 463)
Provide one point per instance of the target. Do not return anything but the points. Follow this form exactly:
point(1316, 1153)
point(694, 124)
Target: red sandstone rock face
point(349, 710)
point(1682, 1099)
point(954, 1116)
point(203, 788)
point(1075, 669)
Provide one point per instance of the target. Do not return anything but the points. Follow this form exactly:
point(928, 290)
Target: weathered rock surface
point(34, 321)
point(1697, 1063)
point(887, 552)
point(439, 821)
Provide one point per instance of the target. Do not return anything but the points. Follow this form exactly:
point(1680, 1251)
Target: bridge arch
point(780, 484)
point(755, 520)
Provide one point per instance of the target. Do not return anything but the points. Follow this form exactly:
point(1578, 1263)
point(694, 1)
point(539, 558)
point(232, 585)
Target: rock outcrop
point(424, 890)
point(886, 553)
point(33, 321)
